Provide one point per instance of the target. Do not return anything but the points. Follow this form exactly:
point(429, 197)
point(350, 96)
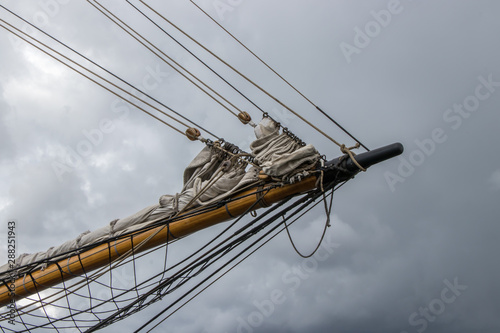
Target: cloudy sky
point(414, 241)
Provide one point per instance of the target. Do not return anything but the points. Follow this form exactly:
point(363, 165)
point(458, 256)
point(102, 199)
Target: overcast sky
point(414, 241)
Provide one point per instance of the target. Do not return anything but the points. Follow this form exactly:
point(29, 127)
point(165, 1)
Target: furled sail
point(212, 176)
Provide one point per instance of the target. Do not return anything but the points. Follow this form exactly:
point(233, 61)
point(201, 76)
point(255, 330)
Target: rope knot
point(226, 165)
point(347, 150)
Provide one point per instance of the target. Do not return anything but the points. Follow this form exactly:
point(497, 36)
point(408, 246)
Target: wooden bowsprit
point(106, 254)
point(102, 255)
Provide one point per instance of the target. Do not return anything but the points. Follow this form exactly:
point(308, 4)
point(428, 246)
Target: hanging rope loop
point(346, 150)
point(328, 211)
point(321, 177)
point(193, 133)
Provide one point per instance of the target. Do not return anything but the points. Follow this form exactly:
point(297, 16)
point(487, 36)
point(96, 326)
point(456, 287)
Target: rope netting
point(81, 301)
point(93, 300)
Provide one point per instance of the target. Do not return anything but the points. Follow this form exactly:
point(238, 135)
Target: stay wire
point(218, 278)
point(161, 222)
point(96, 275)
point(103, 323)
point(211, 283)
point(280, 76)
point(196, 57)
point(86, 76)
point(93, 278)
point(243, 237)
point(206, 256)
point(244, 77)
point(163, 59)
point(305, 201)
point(121, 294)
point(109, 72)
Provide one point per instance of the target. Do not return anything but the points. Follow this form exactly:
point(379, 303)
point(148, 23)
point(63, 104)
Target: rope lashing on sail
point(204, 187)
point(285, 129)
point(229, 149)
point(279, 155)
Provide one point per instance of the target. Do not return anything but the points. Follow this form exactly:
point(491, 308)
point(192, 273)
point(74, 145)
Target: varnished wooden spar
point(101, 255)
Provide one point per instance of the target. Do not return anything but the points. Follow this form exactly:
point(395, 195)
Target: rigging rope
point(280, 76)
point(88, 279)
point(195, 56)
point(186, 272)
point(107, 71)
point(213, 254)
point(243, 116)
point(89, 78)
point(189, 131)
point(242, 75)
point(303, 202)
point(116, 20)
